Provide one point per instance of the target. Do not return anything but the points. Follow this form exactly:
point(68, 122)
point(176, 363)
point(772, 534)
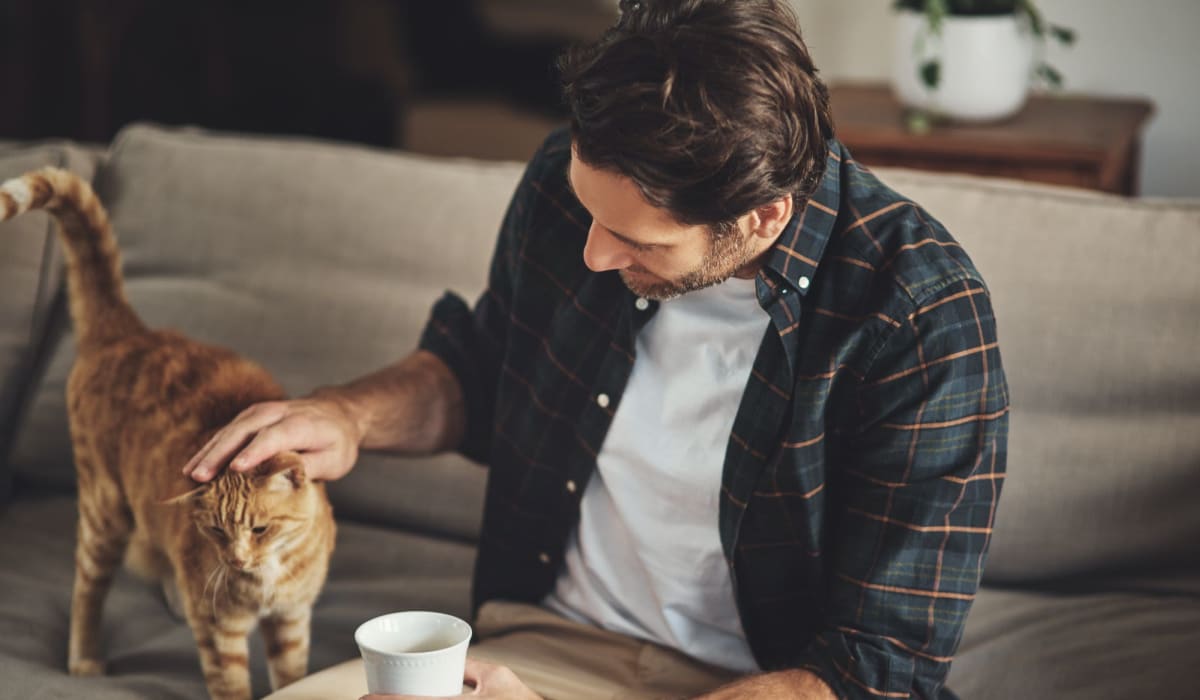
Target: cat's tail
point(99, 310)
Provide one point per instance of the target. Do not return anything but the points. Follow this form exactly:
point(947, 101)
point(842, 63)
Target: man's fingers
point(474, 669)
point(191, 463)
point(190, 469)
point(215, 458)
point(232, 438)
point(322, 466)
point(282, 436)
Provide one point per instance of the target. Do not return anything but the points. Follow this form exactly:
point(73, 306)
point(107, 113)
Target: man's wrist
point(353, 409)
point(415, 406)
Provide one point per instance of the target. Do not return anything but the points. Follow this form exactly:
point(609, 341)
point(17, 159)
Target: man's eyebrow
point(619, 236)
point(630, 242)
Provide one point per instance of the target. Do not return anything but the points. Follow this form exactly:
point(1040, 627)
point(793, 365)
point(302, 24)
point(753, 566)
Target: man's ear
point(769, 219)
point(185, 497)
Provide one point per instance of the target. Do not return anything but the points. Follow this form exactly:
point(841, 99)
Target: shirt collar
point(792, 262)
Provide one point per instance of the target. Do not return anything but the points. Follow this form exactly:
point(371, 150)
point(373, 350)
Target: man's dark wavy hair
point(712, 107)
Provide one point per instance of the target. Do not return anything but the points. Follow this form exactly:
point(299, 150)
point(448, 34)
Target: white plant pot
point(986, 65)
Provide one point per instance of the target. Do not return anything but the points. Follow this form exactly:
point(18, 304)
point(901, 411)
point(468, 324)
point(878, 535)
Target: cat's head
point(254, 516)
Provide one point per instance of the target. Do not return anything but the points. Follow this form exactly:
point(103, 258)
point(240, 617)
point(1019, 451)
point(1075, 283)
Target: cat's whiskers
point(211, 577)
point(226, 571)
point(221, 582)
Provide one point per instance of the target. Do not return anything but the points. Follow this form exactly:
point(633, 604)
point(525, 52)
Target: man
point(742, 404)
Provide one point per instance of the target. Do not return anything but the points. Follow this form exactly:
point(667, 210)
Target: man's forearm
point(413, 407)
point(795, 684)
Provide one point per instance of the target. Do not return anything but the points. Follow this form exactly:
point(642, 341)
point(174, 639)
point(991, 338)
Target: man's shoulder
point(551, 225)
point(551, 159)
point(901, 241)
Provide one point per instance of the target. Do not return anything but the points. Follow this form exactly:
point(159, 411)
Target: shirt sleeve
point(913, 498)
point(472, 342)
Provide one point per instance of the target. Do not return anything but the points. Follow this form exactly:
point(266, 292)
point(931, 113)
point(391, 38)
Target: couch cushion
point(1098, 307)
point(151, 654)
point(1096, 646)
point(28, 277)
point(320, 261)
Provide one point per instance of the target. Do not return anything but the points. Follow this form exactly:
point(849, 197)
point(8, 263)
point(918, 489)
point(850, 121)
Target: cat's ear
point(284, 472)
point(186, 497)
point(292, 478)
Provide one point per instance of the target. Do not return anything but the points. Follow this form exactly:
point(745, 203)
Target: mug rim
point(454, 619)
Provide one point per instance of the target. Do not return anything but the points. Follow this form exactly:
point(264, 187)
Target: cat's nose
point(238, 563)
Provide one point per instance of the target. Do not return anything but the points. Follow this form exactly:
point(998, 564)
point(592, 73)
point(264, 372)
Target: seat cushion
point(152, 654)
point(28, 278)
point(1078, 646)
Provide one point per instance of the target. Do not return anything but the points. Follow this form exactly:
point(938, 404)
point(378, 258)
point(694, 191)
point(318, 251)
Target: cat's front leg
point(287, 638)
point(225, 654)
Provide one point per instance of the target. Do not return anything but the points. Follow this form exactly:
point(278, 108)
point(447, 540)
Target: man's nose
point(604, 252)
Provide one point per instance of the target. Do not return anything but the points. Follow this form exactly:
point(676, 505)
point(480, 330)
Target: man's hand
point(413, 407)
point(488, 680)
point(320, 429)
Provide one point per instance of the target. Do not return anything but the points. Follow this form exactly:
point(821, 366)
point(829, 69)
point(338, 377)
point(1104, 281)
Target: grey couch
point(321, 261)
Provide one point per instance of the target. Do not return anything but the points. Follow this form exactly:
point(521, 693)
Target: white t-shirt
point(646, 557)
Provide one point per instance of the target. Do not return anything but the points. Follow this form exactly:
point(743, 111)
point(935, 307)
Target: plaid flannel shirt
point(862, 474)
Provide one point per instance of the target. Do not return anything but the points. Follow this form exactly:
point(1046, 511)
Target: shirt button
point(544, 558)
point(641, 304)
point(803, 282)
point(571, 487)
point(602, 399)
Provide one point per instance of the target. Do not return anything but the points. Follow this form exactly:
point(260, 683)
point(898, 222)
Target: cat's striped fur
point(240, 551)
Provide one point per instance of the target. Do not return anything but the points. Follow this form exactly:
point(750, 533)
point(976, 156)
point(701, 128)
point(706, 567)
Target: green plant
point(935, 12)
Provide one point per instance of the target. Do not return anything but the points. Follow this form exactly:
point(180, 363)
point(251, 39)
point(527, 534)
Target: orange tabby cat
point(241, 550)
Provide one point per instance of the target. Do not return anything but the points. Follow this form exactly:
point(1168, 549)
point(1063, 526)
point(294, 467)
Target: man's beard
point(727, 254)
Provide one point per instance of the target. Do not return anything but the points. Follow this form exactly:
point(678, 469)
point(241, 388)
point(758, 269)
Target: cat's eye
point(261, 529)
point(217, 531)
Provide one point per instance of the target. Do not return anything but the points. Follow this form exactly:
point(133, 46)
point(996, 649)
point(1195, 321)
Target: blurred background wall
point(354, 70)
point(474, 77)
point(1143, 48)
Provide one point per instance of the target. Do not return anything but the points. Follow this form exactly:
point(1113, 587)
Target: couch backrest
point(320, 261)
point(28, 277)
point(1098, 306)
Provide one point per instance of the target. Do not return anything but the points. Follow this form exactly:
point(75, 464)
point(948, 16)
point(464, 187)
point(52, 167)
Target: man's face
point(656, 256)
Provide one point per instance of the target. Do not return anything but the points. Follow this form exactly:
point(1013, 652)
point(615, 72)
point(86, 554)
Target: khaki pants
point(557, 658)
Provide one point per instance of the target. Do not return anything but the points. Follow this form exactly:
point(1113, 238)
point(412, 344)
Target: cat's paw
point(86, 667)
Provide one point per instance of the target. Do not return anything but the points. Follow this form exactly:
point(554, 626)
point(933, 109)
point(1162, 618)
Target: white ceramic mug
point(414, 653)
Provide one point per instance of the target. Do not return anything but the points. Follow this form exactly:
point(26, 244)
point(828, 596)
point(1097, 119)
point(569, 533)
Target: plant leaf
point(1052, 77)
point(931, 74)
point(1035, 17)
point(935, 12)
point(918, 121)
point(1066, 36)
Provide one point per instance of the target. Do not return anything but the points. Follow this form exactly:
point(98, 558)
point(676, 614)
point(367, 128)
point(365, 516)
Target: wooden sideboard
point(1089, 142)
